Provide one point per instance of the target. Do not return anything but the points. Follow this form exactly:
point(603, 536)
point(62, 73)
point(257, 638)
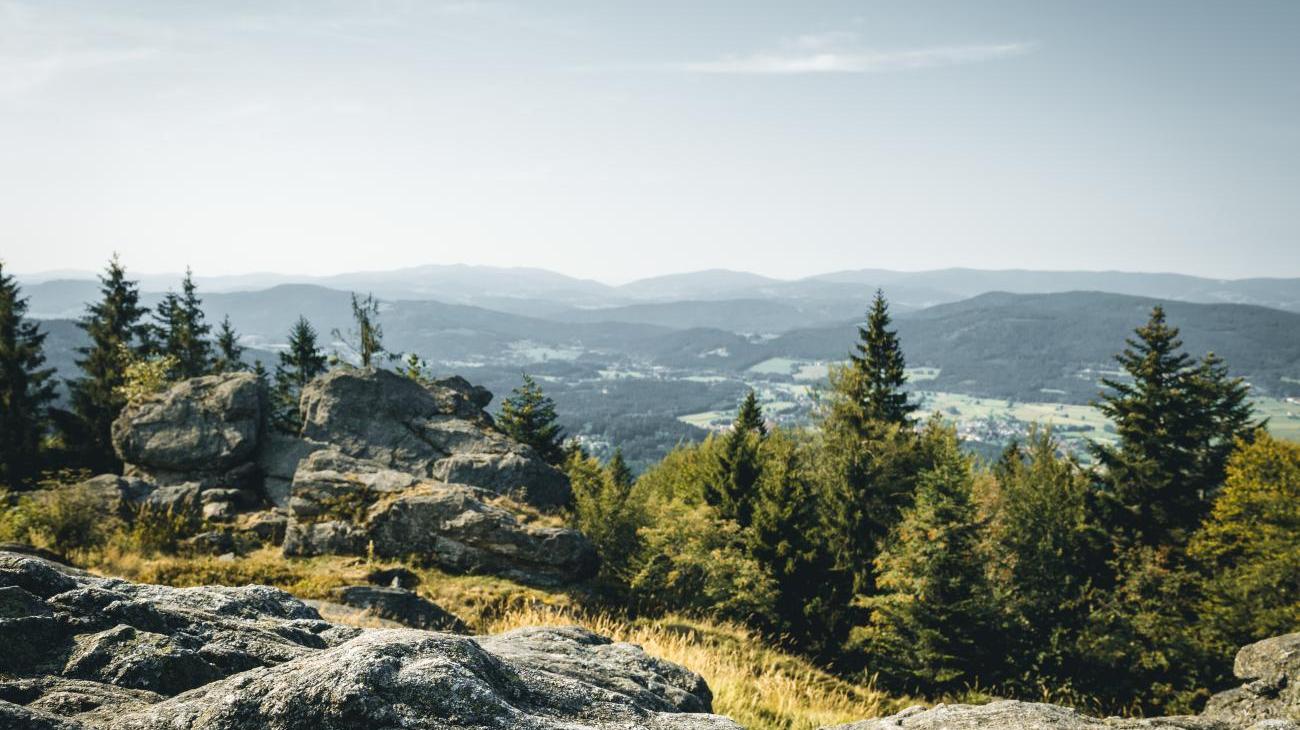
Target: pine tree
point(26, 388)
point(620, 474)
point(230, 353)
point(1047, 550)
point(300, 362)
point(181, 332)
point(113, 326)
point(878, 367)
point(528, 416)
point(784, 538)
point(366, 341)
point(932, 623)
point(740, 464)
point(1176, 421)
point(750, 416)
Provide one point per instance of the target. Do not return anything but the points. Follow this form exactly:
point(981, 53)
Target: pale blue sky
point(617, 140)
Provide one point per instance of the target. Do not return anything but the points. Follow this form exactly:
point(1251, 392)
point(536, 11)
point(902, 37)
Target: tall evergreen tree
point(784, 537)
point(878, 367)
point(26, 388)
point(740, 464)
point(528, 416)
point(300, 362)
point(1176, 422)
point(114, 327)
point(181, 331)
point(230, 353)
point(932, 622)
point(620, 474)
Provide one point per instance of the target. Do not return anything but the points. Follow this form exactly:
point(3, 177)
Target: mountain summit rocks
point(88, 653)
point(383, 463)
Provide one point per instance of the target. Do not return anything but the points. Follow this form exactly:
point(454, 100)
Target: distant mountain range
point(547, 293)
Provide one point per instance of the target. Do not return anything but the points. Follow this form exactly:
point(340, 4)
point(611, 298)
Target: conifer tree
point(1176, 422)
point(114, 327)
point(26, 388)
point(300, 362)
point(1047, 550)
point(932, 622)
point(181, 331)
point(528, 416)
point(620, 474)
point(230, 353)
point(739, 464)
point(367, 339)
point(878, 367)
point(784, 537)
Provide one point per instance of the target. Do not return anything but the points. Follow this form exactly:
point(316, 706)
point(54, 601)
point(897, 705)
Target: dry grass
point(759, 686)
point(754, 684)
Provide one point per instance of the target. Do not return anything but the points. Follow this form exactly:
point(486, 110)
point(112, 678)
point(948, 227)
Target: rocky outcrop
point(438, 430)
point(201, 429)
point(350, 506)
point(1014, 715)
point(1271, 669)
point(92, 653)
point(405, 607)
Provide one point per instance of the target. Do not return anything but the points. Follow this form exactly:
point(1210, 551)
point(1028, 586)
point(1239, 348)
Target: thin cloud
point(856, 61)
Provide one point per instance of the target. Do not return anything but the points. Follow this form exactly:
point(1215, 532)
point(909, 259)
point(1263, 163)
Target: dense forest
point(871, 541)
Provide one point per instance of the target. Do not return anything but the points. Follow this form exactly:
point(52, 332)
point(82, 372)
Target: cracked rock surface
point(84, 653)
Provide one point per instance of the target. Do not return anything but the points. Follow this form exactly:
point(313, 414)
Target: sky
point(616, 140)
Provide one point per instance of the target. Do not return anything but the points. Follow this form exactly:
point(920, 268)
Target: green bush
point(66, 520)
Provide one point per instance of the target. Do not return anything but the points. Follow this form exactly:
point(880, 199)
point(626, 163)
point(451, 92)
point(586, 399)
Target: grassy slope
point(758, 686)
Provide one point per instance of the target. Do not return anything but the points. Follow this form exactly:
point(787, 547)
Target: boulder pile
point(383, 465)
point(88, 653)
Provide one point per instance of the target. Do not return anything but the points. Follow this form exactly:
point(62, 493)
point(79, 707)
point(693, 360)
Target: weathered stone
point(208, 424)
point(439, 430)
point(366, 508)
point(125, 656)
point(120, 495)
point(1271, 669)
point(451, 526)
point(398, 604)
point(278, 460)
point(616, 666)
point(409, 679)
point(393, 578)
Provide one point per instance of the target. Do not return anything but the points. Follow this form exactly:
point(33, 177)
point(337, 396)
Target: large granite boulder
point(439, 430)
point(1271, 669)
point(207, 424)
point(352, 506)
point(89, 653)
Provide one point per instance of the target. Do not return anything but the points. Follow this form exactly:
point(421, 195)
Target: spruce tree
point(1176, 422)
point(740, 464)
point(528, 416)
point(300, 362)
point(113, 326)
point(879, 368)
point(932, 623)
point(26, 388)
point(230, 353)
point(181, 332)
point(620, 474)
